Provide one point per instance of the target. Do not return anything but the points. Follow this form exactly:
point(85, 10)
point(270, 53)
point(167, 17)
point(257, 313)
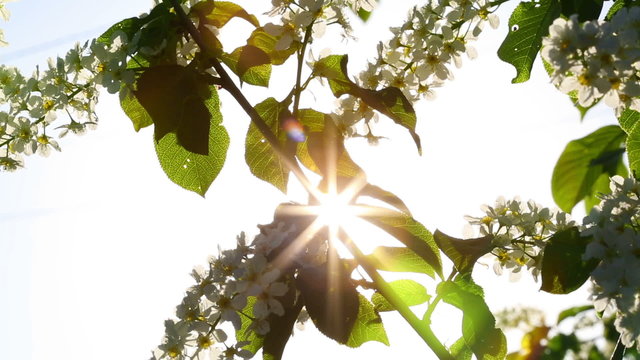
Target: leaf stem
point(618, 352)
point(436, 300)
point(303, 49)
point(421, 328)
point(230, 86)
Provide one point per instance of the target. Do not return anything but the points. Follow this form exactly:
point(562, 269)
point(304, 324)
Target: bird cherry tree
point(168, 67)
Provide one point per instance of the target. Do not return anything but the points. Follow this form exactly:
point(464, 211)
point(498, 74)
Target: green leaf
point(564, 251)
point(463, 253)
point(363, 14)
point(582, 162)
point(129, 26)
point(478, 324)
point(586, 9)
point(528, 24)
point(368, 325)
point(218, 13)
point(571, 312)
point(412, 234)
point(629, 121)
point(192, 171)
point(331, 300)
point(174, 96)
point(245, 333)
point(399, 259)
point(324, 152)
point(409, 291)
point(388, 101)
point(132, 108)
point(460, 351)
point(619, 4)
point(385, 196)
point(262, 160)
point(268, 43)
point(250, 63)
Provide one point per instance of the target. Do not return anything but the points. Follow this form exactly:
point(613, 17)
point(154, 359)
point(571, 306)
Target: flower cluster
point(418, 57)
point(614, 226)
point(597, 59)
point(30, 105)
point(520, 232)
point(239, 284)
point(5, 15)
point(299, 15)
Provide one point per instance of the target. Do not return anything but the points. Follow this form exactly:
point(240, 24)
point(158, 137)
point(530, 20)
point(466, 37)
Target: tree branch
point(230, 86)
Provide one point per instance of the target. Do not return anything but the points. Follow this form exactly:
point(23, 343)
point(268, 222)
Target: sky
point(96, 243)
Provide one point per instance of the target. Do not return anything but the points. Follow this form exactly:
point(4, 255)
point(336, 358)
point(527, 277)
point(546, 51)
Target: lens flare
point(294, 129)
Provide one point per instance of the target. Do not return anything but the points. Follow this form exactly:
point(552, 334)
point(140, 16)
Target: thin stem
point(230, 86)
point(298, 90)
point(436, 300)
point(421, 328)
point(618, 353)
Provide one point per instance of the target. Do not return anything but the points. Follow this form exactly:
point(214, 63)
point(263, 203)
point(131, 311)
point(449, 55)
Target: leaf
point(218, 13)
point(564, 251)
point(385, 196)
point(619, 4)
point(331, 300)
point(571, 312)
point(412, 234)
point(128, 26)
point(251, 64)
point(463, 253)
point(174, 97)
point(460, 351)
point(267, 42)
point(629, 121)
point(262, 160)
point(132, 108)
point(192, 171)
point(368, 325)
point(478, 324)
point(388, 101)
point(582, 162)
point(399, 259)
point(324, 152)
point(409, 291)
point(245, 333)
point(528, 24)
point(281, 327)
point(586, 9)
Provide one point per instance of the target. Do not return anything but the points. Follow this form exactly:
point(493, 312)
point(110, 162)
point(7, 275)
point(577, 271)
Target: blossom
point(613, 227)
point(520, 232)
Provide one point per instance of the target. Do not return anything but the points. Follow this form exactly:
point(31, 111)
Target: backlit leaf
point(478, 324)
point(409, 291)
point(196, 172)
point(463, 252)
point(564, 251)
point(268, 43)
point(368, 325)
point(388, 101)
point(218, 13)
point(399, 259)
point(251, 64)
point(528, 24)
point(629, 123)
point(571, 312)
point(583, 161)
point(262, 160)
point(411, 233)
point(132, 108)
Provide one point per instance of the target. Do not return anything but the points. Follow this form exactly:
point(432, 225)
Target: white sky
point(96, 243)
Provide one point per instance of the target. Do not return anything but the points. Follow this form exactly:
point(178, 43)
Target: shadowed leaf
point(463, 253)
point(564, 251)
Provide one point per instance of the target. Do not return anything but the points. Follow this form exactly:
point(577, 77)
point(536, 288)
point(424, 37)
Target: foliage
point(168, 68)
